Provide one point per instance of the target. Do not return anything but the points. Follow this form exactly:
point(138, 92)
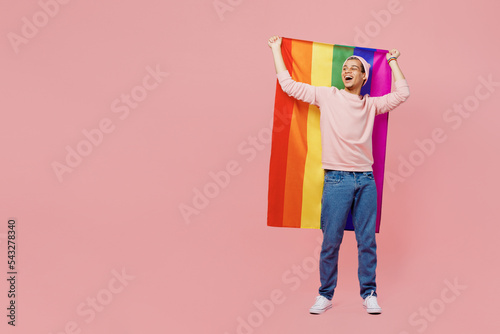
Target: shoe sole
point(311, 311)
point(373, 311)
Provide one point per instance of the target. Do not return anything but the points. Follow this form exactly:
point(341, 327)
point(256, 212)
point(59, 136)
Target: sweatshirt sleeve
point(299, 90)
point(390, 101)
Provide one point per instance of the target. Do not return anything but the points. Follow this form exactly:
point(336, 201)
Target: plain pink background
point(120, 208)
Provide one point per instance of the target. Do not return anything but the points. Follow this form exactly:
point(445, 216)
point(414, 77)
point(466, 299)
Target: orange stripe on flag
point(297, 148)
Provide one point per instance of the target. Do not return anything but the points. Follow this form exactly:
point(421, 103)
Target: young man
point(346, 124)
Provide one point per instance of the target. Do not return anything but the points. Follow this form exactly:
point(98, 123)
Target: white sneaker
point(322, 304)
point(371, 305)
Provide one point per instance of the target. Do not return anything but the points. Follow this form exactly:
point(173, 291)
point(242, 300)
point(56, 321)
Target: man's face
point(352, 75)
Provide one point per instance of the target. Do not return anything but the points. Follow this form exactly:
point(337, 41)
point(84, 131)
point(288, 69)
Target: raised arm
point(394, 54)
point(401, 93)
point(299, 90)
point(275, 45)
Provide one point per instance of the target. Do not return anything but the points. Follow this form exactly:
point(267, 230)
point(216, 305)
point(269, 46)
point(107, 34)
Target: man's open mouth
point(348, 78)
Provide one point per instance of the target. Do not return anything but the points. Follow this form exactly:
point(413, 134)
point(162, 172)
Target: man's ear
point(364, 79)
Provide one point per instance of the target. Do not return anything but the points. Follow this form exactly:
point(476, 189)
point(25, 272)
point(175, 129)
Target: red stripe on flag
point(283, 108)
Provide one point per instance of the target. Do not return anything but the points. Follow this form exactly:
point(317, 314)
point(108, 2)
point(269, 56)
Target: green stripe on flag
point(340, 54)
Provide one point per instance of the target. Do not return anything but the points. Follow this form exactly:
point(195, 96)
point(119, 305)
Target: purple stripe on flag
point(381, 85)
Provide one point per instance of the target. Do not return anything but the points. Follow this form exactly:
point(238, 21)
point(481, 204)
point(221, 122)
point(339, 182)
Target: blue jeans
point(344, 191)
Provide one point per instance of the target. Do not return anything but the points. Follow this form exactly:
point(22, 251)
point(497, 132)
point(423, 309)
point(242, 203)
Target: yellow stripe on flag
point(321, 72)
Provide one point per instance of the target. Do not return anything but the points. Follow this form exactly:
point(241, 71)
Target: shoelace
point(371, 300)
point(322, 299)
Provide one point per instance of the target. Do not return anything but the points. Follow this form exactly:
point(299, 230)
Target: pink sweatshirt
point(346, 120)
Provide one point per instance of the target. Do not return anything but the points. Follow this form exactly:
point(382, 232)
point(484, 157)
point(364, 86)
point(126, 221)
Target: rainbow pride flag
point(296, 174)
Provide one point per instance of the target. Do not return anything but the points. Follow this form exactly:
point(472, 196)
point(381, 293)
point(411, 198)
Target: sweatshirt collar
point(351, 96)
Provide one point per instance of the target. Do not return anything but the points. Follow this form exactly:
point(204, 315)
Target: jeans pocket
point(369, 175)
point(333, 177)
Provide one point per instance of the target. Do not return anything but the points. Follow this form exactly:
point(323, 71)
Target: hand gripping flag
point(295, 173)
